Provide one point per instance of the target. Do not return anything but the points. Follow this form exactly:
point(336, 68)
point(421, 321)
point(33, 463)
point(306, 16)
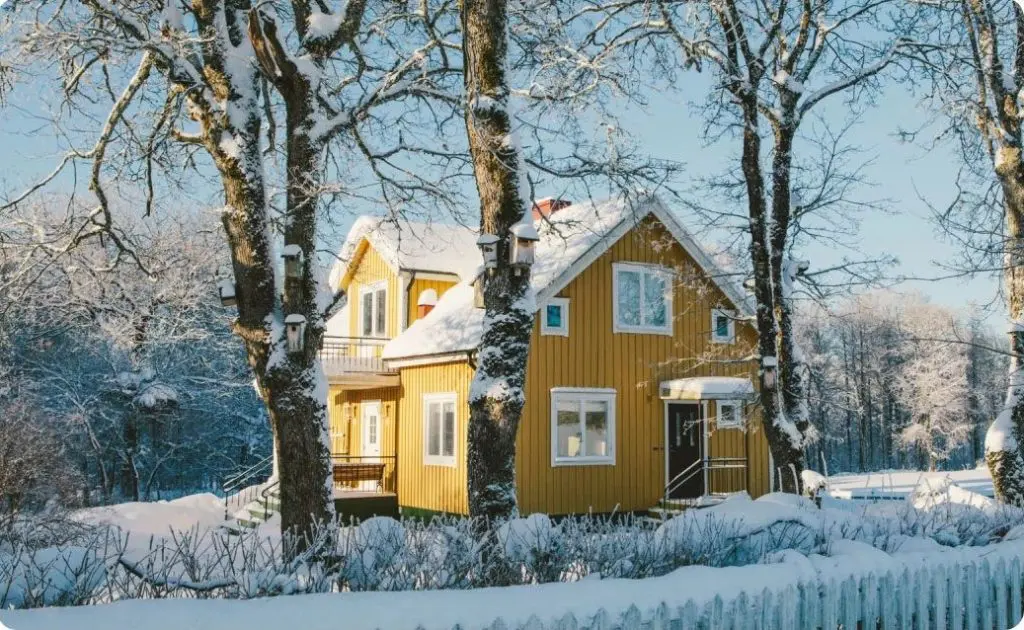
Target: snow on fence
point(958, 589)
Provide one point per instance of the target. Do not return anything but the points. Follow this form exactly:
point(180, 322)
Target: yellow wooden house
point(640, 382)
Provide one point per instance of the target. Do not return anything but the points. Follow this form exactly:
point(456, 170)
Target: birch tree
point(933, 384)
point(273, 98)
point(971, 73)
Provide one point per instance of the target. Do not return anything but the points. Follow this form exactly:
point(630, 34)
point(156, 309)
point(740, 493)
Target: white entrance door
point(372, 430)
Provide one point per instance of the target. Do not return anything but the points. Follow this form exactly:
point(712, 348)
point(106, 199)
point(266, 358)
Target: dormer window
point(642, 299)
point(373, 302)
point(723, 326)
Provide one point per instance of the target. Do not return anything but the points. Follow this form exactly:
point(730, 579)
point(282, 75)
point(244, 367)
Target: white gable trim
point(698, 254)
point(654, 206)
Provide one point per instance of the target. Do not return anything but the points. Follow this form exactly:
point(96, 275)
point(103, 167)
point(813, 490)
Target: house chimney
point(548, 206)
point(426, 303)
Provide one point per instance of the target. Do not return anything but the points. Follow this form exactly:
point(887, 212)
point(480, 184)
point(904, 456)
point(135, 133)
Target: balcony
point(355, 363)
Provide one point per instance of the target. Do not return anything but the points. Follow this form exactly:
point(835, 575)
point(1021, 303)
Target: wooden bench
point(351, 472)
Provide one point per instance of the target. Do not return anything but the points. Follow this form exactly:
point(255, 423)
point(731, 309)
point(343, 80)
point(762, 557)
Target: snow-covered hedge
point(382, 554)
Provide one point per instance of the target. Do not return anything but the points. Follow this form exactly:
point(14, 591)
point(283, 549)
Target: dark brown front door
point(685, 443)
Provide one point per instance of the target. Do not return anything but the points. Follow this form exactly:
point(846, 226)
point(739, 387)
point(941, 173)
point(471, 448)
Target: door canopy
point(706, 388)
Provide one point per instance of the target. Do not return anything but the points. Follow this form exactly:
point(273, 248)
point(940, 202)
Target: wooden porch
point(365, 486)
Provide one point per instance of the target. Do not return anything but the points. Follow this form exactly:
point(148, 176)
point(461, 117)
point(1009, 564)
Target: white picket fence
point(980, 595)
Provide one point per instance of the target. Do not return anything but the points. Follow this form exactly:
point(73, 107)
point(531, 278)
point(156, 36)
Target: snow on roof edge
point(460, 327)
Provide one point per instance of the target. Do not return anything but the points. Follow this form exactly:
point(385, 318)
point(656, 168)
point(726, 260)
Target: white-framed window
point(554, 317)
point(730, 414)
point(723, 326)
point(440, 425)
point(373, 309)
point(582, 426)
point(642, 299)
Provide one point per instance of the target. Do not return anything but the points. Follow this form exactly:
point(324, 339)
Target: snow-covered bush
point(93, 563)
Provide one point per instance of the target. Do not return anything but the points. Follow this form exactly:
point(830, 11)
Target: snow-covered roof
point(706, 388)
point(412, 246)
point(570, 240)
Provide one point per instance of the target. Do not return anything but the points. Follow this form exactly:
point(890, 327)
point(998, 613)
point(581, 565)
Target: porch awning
point(706, 388)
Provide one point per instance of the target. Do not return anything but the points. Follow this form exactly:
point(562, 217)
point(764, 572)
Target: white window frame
point(440, 460)
point(582, 395)
point(667, 276)
point(731, 316)
point(371, 290)
point(563, 330)
point(737, 417)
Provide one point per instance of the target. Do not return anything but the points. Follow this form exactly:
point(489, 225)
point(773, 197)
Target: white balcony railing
point(346, 355)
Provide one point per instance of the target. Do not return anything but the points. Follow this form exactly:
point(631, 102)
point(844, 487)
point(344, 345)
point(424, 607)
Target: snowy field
point(898, 484)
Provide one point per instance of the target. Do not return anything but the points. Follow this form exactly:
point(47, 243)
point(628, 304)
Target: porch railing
point(353, 354)
point(388, 480)
point(706, 465)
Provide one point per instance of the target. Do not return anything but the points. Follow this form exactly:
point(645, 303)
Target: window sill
point(443, 462)
point(553, 332)
point(641, 331)
point(583, 461)
point(723, 340)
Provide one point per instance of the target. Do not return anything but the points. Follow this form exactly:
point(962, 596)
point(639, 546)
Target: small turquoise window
point(554, 315)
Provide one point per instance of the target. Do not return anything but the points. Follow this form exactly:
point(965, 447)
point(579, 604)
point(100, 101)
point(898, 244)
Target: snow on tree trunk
point(496, 395)
point(785, 440)
point(1006, 434)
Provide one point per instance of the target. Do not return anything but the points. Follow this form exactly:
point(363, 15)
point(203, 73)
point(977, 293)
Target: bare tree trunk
point(1006, 434)
point(786, 448)
point(129, 469)
point(496, 395)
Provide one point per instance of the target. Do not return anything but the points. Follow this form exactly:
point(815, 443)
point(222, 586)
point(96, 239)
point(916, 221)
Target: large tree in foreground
point(497, 396)
point(774, 65)
point(272, 99)
point(971, 63)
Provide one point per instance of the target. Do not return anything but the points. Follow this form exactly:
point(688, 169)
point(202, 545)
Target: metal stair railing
point(265, 496)
point(239, 488)
point(701, 465)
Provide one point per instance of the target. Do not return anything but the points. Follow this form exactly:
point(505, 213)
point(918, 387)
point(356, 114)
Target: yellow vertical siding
point(747, 442)
point(371, 268)
point(346, 415)
point(420, 285)
point(428, 487)
point(633, 364)
point(592, 356)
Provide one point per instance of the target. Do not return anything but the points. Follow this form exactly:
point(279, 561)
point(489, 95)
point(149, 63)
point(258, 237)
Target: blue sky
point(671, 129)
point(909, 177)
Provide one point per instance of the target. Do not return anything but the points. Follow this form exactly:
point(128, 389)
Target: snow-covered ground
point(936, 526)
point(159, 518)
point(898, 484)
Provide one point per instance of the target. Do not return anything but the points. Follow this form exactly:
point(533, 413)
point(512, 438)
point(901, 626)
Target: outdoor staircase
point(667, 508)
point(260, 509)
point(251, 497)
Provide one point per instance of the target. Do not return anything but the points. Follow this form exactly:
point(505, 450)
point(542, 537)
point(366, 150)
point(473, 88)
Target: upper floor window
point(555, 317)
point(373, 302)
point(642, 299)
point(723, 326)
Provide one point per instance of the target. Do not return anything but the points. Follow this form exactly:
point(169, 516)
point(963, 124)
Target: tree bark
point(496, 395)
point(1006, 434)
